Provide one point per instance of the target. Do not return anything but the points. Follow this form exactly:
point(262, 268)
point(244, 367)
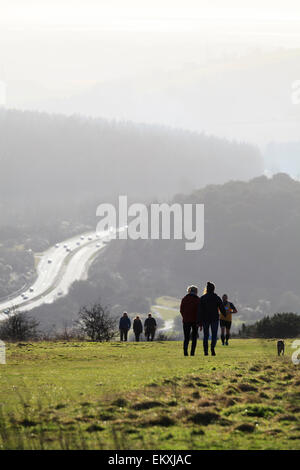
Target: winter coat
point(150, 324)
point(209, 307)
point(125, 323)
point(137, 326)
point(189, 308)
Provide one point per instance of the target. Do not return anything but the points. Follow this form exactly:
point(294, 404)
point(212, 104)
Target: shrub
point(97, 323)
point(19, 327)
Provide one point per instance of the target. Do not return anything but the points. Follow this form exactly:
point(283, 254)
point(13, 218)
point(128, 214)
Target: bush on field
point(19, 327)
point(97, 323)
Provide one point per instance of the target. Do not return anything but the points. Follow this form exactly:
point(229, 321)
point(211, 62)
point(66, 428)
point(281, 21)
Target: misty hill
point(251, 252)
point(58, 162)
point(246, 98)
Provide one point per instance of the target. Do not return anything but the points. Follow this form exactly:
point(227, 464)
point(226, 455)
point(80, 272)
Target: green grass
point(73, 395)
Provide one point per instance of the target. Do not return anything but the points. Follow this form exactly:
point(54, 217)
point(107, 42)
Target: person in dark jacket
point(189, 310)
point(208, 316)
point(150, 327)
point(137, 327)
point(124, 326)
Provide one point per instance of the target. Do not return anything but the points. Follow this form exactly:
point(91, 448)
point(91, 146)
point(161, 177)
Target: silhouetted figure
point(124, 326)
point(226, 320)
point(208, 316)
point(280, 347)
point(137, 327)
point(150, 327)
point(189, 311)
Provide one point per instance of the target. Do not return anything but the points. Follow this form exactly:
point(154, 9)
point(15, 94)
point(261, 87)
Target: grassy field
point(73, 395)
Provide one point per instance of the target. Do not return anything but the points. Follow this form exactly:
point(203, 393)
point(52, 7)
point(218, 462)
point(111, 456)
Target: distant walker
point(280, 347)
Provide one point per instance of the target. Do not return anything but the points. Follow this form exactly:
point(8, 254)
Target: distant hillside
point(251, 252)
point(53, 162)
point(245, 98)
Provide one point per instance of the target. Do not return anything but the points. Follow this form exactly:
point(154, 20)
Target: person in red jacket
point(189, 309)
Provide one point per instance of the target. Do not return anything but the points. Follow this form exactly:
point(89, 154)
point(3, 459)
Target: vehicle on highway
point(68, 249)
point(82, 237)
point(6, 311)
point(90, 238)
point(98, 245)
point(78, 243)
point(65, 245)
point(49, 260)
point(57, 245)
point(59, 292)
point(31, 289)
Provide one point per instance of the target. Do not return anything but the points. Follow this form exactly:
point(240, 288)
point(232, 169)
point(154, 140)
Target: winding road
point(58, 267)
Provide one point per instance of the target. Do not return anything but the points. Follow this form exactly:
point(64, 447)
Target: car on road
point(6, 311)
point(57, 245)
point(31, 289)
point(98, 245)
point(82, 237)
point(65, 245)
point(49, 260)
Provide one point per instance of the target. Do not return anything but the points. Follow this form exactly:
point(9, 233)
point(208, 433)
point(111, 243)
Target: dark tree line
point(281, 325)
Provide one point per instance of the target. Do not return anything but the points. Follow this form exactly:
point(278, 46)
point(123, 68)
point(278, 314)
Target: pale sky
point(138, 14)
point(52, 50)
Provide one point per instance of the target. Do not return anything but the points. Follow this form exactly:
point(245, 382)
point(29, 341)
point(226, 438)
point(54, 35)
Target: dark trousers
point(137, 335)
point(150, 335)
point(123, 334)
point(214, 331)
point(189, 328)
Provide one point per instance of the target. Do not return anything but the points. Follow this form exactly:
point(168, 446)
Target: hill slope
point(49, 159)
point(251, 251)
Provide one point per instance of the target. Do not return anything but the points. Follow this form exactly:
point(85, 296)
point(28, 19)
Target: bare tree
point(97, 323)
point(19, 327)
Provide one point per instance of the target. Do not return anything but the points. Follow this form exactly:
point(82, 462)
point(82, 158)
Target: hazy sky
point(116, 14)
point(54, 49)
point(50, 40)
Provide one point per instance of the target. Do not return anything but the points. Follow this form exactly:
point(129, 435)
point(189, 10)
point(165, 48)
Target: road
point(57, 269)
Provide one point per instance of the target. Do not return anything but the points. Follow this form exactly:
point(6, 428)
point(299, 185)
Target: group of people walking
point(205, 312)
point(149, 327)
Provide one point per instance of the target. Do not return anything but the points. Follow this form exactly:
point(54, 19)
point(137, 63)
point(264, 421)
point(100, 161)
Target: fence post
point(2, 353)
